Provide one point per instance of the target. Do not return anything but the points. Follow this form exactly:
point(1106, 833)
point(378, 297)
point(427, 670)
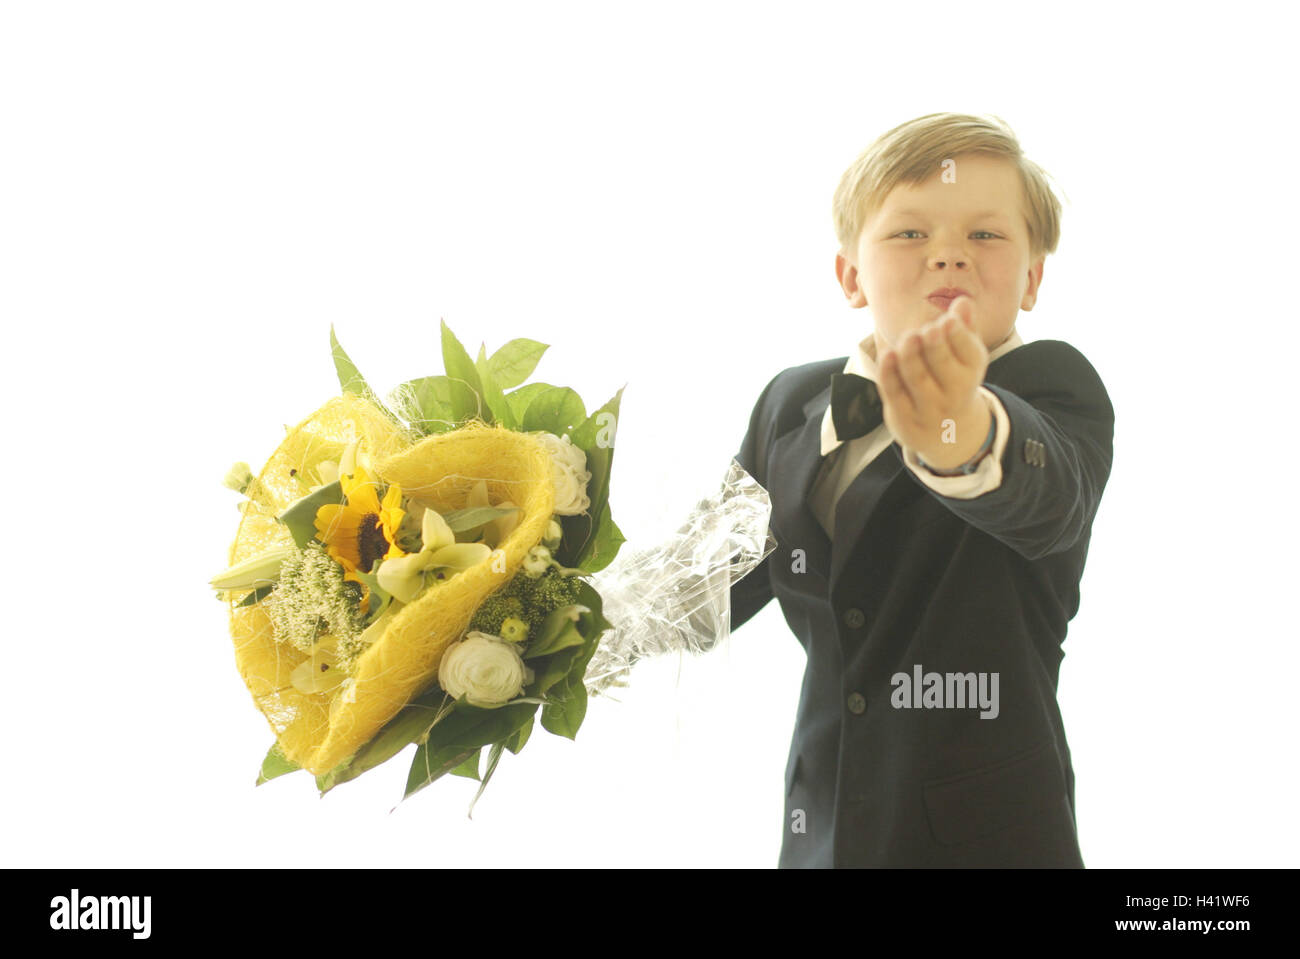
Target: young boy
point(933, 495)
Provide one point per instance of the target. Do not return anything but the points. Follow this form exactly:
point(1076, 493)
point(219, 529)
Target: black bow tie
point(855, 405)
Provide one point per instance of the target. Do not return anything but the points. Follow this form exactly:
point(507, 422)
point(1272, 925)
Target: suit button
point(857, 704)
point(853, 618)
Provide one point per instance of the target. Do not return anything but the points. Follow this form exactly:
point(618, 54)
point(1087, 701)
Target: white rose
point(569, 474)
point(486, 669)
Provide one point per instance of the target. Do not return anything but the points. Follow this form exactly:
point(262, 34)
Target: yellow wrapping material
point(318, 731)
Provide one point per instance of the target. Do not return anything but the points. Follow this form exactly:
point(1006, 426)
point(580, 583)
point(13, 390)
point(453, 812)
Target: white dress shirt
point(841, 470)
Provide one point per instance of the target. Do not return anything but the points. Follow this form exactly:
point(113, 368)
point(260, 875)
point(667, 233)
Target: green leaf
point(557, 410)
point(431, 402)
point(551, 669)
point(464, 520)
point(460, 367)
point(469, 768)
point(563, 665)
point(601, 549)
point(300, 517)
point(493, 756)
point(596, 435)
point(515, 362)
point(467, 726)
point(400, 731)
point(492, 394)
point(516, 742)
point(523, 397)
point(275, 764)
point(430, 765)
point(593, 622)
point(464, 731)
point(565, 714)
point(568, 707)
point(558, 631)
point(350, 378)
point(587, 545)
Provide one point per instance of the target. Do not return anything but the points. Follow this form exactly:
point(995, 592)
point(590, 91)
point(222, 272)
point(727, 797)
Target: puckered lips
point(944, 295)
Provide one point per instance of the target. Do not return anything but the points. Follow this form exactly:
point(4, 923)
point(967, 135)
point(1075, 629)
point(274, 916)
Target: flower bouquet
point(419, 574)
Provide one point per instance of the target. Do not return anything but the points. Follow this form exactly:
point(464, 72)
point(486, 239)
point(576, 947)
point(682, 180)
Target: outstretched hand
point(932, 376)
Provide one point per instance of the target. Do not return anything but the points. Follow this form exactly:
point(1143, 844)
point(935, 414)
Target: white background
point(190, 194)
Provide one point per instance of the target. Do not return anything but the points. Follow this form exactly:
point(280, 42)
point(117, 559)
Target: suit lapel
point(858, 504)
point(801, 448)
point(792, 516)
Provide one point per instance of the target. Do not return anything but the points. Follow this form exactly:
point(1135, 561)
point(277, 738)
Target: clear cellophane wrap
point(676, 596)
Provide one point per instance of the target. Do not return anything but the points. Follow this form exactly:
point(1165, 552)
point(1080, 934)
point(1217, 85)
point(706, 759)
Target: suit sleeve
point(752, 593)
point(1056, 460)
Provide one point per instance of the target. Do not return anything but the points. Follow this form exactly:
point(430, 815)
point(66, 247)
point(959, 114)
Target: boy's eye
point(985, 232)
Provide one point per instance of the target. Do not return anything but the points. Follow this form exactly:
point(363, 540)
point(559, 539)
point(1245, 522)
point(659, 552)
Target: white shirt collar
point(862, 361)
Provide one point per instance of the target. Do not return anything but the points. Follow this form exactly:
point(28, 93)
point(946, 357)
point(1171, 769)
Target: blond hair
point(914, 151)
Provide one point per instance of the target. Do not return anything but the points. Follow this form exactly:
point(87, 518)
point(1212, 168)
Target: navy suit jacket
point(917, 579)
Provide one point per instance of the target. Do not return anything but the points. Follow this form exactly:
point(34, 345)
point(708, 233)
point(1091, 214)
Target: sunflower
point(362, 530)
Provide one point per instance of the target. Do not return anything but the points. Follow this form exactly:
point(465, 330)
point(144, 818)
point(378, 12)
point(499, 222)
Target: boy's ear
point(847, 275)
point(1031, 288)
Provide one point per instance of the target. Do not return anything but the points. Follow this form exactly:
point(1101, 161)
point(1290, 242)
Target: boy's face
point(970, 233)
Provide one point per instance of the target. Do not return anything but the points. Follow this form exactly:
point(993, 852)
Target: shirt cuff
point(987, 475)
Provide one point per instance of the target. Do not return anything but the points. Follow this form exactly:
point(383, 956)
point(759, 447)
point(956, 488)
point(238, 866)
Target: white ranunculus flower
point(569, 473)
point(486, 669)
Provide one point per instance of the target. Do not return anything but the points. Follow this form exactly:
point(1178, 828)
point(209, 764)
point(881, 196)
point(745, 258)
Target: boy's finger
point(971, 352)
point(964, 342)
point(964, 309)
point(891, 379)
point(962, 302)
point(940, 354)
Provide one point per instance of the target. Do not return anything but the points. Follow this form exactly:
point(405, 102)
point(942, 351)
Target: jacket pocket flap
point(995, 797)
